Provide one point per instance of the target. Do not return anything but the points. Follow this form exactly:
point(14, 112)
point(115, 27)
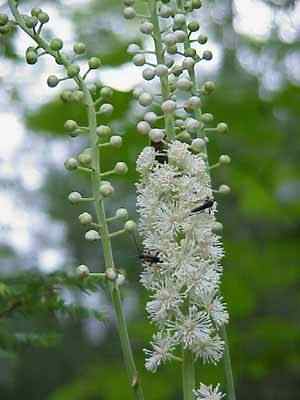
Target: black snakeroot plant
point(175, 197)
point(177, 131)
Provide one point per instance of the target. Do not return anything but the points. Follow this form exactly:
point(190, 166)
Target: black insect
point(150, 258)
point(208, 203)
point(162, 156)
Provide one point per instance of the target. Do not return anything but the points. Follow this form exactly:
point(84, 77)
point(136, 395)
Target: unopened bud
point(75, 197)
point(130, 226)
point(85, 218)
point(92, 235)
point(82, 271)
point(224, 189)
point(121, 168)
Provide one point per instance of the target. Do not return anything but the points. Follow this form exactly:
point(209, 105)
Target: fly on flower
point(150, 258)
point(208, 203)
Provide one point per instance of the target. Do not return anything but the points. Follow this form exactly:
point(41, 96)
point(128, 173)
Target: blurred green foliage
point(261, 235)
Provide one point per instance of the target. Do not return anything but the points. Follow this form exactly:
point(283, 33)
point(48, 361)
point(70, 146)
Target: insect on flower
point(208, 203)
point(150, 258)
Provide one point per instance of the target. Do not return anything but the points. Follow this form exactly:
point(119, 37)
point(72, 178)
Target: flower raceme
point(184, 281)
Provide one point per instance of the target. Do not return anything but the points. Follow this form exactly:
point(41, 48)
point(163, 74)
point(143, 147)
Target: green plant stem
point(99, 207)
point(228, 366)
point(188, 375)
point(227, 359)
point(159, 51)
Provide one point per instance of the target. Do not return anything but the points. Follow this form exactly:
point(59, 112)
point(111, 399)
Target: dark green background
point(261, 230)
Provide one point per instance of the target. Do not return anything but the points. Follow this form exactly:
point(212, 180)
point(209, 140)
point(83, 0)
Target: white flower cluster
point(182, 256)
point(208, 393)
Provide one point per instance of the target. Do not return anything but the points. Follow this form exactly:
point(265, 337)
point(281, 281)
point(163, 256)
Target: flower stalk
point(182, 268)
point(96, 181)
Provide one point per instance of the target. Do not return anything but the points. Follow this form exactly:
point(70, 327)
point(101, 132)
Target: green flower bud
point(139, 60)
point(122, 213)
point(198, 145)
point(31, 57)
point(73, 70)
point(30, 22)
point(150, 117)
point(170, 39)
point(161, 70)
point(193, 103)
point(106, 92)
point(75, 197)
point(36, 11)
point(202, 39)
point(206, 118)
point(191, 125)
point(222, 127)
point(121, 168)
point(82, 271)
point(145, 99)
point(133, 48)
point(130, 226)
point(193, 26)
point(168, 106)
point(209, 87)
point(184, 136)
point(102, 130)
point(128, 2)
point(224, 189)
point(79, 48)
point(188, 63)
point(149, 73)
point(71, 164)
point(43, 17)
point(85, 218)
point(190, 52)
point(3, 19)
point(156, 135)
point(143, 127)
point(93, 89)
point(180, 36)
point(116, 141)
point(207, 55)
point(52, 81)
point(66, 96)
point(217, 227)
point(129, 13)
point(106, 109)
point(4, 30)
point(94, 63)
point(224, 159)
point(56, 44)
point(146, 28)
point(165, 11)
point(70, 125)
point(184, 84)
point(78, 96)
point(92, 235)
point(179, 19)
point(196, 4)
point(106, 189)
point(85, 158)
point(172, 49)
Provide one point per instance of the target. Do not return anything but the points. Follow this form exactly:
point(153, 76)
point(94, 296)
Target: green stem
point(228, 366)
point(227, 358)
point(99, 207)
point(188, 375)
point(160, 58)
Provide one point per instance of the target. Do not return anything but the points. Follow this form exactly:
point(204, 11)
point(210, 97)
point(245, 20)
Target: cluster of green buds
point(176, 111)
point(96, 99)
